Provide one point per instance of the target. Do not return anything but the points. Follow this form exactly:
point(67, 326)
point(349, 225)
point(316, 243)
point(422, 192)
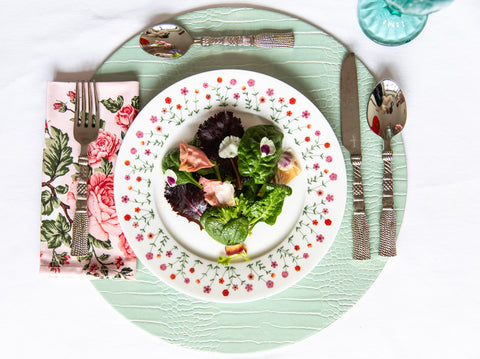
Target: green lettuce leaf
point(269, 206)
point(225, 224)
point(250, 161)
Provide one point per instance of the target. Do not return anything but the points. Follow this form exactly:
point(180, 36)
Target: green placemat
point(337, 282)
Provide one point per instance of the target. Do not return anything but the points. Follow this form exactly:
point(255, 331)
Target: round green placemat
point(337, 282)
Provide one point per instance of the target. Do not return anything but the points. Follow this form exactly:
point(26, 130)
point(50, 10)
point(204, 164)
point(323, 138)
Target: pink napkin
point(110, 255)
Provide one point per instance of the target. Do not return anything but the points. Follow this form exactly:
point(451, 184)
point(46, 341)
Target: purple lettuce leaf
point(187, 200)
point(212, 132)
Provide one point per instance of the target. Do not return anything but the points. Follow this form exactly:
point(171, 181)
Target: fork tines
point(83, 118)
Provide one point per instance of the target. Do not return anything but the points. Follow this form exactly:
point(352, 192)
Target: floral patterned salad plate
point(178, 251)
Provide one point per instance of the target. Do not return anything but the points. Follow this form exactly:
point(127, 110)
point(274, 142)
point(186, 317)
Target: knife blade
point(351, 139)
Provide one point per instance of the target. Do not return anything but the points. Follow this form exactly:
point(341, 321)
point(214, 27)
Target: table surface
point(425, 302)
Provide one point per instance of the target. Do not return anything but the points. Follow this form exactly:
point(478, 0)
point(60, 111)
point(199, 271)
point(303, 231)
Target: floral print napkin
point(110, 255)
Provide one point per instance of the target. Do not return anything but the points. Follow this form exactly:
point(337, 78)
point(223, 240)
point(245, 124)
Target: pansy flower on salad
point(227, 179)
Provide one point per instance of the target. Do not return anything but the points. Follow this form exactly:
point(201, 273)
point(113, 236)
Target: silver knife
point(350, 119)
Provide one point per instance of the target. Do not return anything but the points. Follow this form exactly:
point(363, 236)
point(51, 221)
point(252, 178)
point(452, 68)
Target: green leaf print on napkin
point(49, 202)
point(136, 102)
point(99, 244)
point(57, 154)
point(105, 167)
point(57, 157)
point(56, 232)
point(113, 105)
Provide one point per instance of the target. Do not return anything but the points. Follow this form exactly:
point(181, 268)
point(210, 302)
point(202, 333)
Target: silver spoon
point(387, 114)
point(170, 41)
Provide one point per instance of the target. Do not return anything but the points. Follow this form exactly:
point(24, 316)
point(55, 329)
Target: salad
point(228, 179)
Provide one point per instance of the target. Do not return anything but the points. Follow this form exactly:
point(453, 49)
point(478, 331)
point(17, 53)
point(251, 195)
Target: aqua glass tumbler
point(396, 22)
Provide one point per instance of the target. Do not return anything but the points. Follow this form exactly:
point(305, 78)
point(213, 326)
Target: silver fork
point(85, 130)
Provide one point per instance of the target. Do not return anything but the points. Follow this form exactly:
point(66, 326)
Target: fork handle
point(80, 220)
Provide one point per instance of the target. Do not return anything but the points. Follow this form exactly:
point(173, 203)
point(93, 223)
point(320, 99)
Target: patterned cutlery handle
point(80, 220)
point(388, 219)
point(265, 40)
point(360, 228)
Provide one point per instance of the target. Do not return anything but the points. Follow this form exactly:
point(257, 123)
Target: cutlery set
point(386, 114)
point(157, 268)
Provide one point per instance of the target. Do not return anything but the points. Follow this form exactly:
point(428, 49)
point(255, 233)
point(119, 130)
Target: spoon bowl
point(166, 41)
point(387, 110)
point(171, 41)
point(387, 115)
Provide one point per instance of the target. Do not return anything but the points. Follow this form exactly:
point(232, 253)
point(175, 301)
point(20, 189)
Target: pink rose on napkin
point(125, 247)
point(125, 116)
point(103, 220)
point(105, 146)
point(60, 106)
point(102, 216)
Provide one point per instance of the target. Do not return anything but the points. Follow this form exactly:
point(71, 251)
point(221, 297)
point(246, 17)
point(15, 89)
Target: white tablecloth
point(433, 285)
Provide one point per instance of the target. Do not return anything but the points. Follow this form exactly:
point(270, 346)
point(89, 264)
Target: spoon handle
point(360, 229)
point(388, 219)
point(265, 40)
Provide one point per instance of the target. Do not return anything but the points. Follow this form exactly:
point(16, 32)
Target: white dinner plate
point(178, 251)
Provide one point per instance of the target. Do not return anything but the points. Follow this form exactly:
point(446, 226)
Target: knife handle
point(388, 219)
point(360, 228)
